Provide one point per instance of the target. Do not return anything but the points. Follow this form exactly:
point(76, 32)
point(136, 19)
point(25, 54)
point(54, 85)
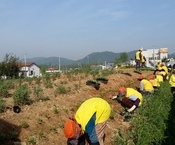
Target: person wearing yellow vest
point(145, 86)
point(158, 67)
point(164, 71)
point(138, 58)
point(172, 82)
point(159, 64)
point(131, 98)
point(89, 121)
point(154, 82)
point(159, 77)
point(143, 61)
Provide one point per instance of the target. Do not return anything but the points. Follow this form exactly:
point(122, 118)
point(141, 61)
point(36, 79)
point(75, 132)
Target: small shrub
point(21, 95)
point(65, 110)
point(38, 92)
point(24, 124)
point(48, 84)
point(53, 128)
point(13, 134)
point(40, 121)
point(77, 86)
point(32, 140)
point(55, 110)
point(60, 90)
point(55, 75)
point(112, 115)
point(61, 125)
point(3, 91)
point(41, 134)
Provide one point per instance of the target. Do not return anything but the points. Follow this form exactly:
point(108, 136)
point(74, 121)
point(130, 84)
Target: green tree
point(122, 58)
point(9, 66)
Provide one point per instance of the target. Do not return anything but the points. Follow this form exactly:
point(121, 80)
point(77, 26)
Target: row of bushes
point(151, 123)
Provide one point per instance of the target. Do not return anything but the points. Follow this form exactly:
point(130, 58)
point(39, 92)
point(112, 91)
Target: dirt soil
point(46, 118)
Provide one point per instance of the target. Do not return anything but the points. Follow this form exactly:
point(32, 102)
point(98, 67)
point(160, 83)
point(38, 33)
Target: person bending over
point(89, 123)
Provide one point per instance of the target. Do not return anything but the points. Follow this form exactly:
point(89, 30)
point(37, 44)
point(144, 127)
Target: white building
point(154, 55)
point(53, 70)
point(29, 69)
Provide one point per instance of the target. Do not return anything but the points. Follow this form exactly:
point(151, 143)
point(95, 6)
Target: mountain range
point(95, 57)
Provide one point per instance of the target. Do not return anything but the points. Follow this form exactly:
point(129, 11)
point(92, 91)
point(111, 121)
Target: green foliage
point(149, 123)
point(122, 138)
point(122, 58)
point(107, 72)
point(9, 66)
point(41, 134)
point(32, 140)
point(2, 105)
point(21, 95)
point(37, 80)
point(60, 90)
point(112, 115)
point(152, 117)
point(29, 80)
point(24, 124)
point(38, 92)
point(48, 83)
point(43, 70)
point(77, 86)
point(13, 134)
point(5, 86)
point(3, 91)
point(94, 73)
point(39, 120)
point(55, 75)
point(61, 124)
point(56, 110)
point(53, 129)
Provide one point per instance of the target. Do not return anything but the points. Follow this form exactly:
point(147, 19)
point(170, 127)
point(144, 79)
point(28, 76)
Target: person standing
point(88, 123)
point(143, 61)
point(172, 82)
point(138, 58)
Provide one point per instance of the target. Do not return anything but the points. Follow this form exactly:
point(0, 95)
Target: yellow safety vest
point(147, 85)
point(132, 92)
point(91, 106)
point(172, 80)
point(137, 56)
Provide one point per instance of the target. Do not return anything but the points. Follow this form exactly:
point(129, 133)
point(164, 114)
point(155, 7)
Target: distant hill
point(95, 57)
point(172, 55)
point(51, 61)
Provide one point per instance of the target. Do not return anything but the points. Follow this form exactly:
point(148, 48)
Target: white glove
point(114, 97)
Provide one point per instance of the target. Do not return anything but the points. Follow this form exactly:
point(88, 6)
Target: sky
point(73, 29)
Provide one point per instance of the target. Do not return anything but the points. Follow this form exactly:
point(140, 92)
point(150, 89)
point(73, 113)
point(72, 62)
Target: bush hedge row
point(153, 123)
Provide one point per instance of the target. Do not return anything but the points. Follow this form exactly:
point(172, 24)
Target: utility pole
point(154, 57)
point(59, 63)
point(25, 74)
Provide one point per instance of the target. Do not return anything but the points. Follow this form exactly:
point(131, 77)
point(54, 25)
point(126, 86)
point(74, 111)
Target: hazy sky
point(75, 28)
